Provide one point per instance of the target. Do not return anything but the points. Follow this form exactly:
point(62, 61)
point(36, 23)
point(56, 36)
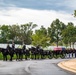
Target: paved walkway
point(69, 65)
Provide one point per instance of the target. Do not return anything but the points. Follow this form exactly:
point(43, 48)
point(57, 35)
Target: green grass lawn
point(8, 57)
point(1, 56)
point(32, 57)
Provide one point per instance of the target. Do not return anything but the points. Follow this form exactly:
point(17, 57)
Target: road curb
point(66, 67)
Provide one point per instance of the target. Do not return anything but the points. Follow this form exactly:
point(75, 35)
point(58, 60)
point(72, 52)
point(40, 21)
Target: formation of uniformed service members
point(34, 53)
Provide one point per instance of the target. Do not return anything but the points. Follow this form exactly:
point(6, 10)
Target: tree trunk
point(70, 44)
point(73, 45)
point(57, 43)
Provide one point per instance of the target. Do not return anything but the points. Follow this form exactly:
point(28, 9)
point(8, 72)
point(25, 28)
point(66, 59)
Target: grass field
point(32, 57)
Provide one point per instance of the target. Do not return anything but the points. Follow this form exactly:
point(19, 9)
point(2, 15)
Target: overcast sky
point(41, 12)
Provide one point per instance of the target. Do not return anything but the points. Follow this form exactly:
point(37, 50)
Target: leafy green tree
point(14, 32)
point(69, 34)
point(26, 32)
point(55, 31)
point(17, 32)
point(4, 29)
point(40, 37)
point(74, 13)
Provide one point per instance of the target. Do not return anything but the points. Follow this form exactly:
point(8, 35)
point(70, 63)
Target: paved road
point(33, 67)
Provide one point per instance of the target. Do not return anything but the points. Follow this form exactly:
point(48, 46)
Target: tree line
point(57, 33)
